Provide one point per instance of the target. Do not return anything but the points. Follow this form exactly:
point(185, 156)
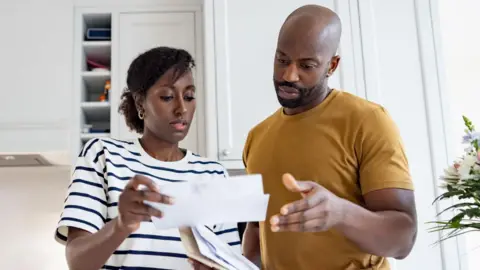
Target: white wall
point(35, 74)
point(32, 200)
point(461, 42)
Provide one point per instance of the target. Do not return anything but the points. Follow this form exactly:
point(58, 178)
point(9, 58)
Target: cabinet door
point(401, 74)
point(139, 32)
point(245, 42)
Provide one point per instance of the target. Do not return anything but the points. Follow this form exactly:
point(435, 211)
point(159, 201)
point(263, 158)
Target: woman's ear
point(139, 102)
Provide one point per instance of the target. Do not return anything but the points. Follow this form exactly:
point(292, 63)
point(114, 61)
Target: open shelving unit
point(94, 70)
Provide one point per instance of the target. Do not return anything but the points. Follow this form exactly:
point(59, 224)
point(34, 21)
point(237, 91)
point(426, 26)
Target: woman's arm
point(87, 251)
point(251, 243)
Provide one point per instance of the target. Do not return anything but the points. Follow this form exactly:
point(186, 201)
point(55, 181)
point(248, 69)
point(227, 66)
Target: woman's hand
point(198, 265)
point(132, 210)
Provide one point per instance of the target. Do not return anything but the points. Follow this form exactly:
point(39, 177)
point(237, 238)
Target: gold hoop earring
point(141, 115)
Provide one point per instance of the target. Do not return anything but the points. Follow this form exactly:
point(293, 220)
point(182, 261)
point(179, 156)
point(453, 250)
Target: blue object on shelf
point(99, 34)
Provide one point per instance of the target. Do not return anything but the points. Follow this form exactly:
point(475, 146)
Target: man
point(356, 206)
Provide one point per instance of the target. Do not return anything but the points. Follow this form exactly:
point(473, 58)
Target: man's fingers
point(298, 217)
point(304, 204)
point(138, 180)
point(313, 225)
point(304, 187)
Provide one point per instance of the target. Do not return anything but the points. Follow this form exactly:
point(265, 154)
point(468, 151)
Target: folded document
point(204, 246)
point(212, 201)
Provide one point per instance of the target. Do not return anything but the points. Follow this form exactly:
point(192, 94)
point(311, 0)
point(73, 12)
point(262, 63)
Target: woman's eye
point(166, 98)
point(189, 98)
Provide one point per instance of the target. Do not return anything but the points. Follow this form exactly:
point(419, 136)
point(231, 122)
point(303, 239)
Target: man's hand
point(319, 210)
point(385, 227)
point(198, 265)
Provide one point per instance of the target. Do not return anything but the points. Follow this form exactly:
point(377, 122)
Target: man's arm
point(388, 225)
point(251, 243)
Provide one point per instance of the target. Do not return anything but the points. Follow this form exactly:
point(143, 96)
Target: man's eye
point(282, 61)
point(166, 98)
point(306, 66)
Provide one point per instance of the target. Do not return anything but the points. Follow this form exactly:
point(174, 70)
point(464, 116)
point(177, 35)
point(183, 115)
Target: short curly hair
point(144, 72)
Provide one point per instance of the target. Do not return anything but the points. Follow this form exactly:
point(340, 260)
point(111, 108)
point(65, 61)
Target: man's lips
point(286, 92)
point(289, 89)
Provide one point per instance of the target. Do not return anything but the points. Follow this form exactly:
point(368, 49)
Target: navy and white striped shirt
point(103, 169)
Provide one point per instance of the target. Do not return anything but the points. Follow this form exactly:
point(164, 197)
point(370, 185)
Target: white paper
point(237, 199)
point(212, 247)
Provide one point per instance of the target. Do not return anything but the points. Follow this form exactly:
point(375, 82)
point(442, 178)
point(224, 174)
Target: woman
point(105, 224)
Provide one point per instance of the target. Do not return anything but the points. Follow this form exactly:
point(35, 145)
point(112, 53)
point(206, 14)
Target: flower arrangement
point(461, 182)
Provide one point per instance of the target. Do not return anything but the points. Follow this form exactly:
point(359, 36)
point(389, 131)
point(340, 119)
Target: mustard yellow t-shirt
point(348, 145)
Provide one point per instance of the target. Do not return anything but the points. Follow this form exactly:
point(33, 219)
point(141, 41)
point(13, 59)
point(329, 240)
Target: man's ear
point(333, 65)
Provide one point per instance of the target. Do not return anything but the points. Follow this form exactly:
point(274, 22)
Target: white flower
point(450, 176)
point(451, 173)
point(466, 166)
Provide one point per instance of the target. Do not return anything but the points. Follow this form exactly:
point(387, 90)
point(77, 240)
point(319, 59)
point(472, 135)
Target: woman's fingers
point(145, 210)
point(151, 196)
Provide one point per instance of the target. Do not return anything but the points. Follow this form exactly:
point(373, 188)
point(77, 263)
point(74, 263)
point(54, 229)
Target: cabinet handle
point(225, 152)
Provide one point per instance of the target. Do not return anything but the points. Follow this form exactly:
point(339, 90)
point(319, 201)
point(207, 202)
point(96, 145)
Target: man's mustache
point(292, 85)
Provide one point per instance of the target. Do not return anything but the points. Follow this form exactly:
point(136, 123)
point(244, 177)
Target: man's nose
point(291, 73)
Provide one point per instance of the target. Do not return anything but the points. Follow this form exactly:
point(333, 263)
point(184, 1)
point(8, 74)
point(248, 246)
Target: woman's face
point(169, 107)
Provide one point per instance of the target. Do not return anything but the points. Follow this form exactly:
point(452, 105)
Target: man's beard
point(305, 96)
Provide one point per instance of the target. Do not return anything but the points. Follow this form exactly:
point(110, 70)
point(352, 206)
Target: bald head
point(314, 25)
point(306, 57)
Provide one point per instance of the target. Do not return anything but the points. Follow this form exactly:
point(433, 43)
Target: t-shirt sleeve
point(228, 232)
point(382, 159)
point(246, 149)
point(85, 206)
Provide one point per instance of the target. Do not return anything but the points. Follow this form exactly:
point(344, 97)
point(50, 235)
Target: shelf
point(102, 75)
point(98, 51)
point(88, 136)
point(93, 105)
point(93, 84)
point(94, 118)
point(92, 44)
point(96, 111)
point(96, 20)
point(100, 20)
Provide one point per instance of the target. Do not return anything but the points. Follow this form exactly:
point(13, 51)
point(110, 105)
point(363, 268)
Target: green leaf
point(458, 205)
point(468, 123)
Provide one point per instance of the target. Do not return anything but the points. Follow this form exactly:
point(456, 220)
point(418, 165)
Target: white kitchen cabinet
point(138, 32)
point(245, 42)
point(402, 73)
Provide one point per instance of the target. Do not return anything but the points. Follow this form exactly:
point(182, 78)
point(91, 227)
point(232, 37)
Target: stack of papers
point(204, 246)
point(232, 200)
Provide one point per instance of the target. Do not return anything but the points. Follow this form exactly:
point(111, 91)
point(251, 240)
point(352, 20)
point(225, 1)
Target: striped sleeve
point(228, 232)
point(85, 206)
